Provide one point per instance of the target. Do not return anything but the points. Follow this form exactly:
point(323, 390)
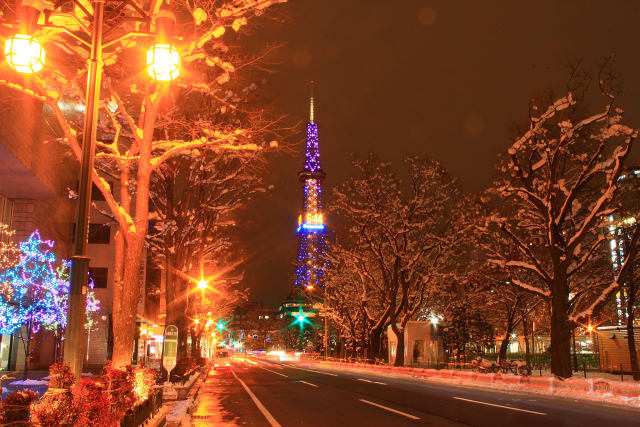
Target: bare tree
point(133, 113)
point(559, 178)
point(399, 231)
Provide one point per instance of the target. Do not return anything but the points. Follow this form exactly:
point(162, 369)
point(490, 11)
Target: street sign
point(255, 336)
point(170, 351)
point(242, 334)
point(268, 337)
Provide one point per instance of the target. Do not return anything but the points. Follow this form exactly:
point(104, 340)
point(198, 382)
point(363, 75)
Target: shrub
point(91, 404)
point(54, 409)
point(144, 379)
point(119, 386)
point(61, 376)
point(15, 407)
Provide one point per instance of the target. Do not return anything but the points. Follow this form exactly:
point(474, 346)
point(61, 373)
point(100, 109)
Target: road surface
point(272, 393)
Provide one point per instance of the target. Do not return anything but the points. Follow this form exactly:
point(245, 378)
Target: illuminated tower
point(311, 229)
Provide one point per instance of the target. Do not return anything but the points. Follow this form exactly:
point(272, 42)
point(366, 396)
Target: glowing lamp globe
point(24, 53)
point(163, 62)
point(301, 318)
point(202, 284)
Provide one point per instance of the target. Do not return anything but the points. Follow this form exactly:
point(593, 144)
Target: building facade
point(36, 174)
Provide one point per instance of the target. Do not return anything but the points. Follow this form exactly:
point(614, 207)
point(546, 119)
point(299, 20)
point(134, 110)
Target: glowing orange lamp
point(24, 53)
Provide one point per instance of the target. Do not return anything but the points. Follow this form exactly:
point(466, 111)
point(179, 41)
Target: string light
point(36, 291)
point(312, 259)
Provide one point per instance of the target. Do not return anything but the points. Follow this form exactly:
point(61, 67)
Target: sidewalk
point(209, 410)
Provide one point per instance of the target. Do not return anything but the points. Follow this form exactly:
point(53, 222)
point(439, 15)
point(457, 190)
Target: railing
point(140, 413)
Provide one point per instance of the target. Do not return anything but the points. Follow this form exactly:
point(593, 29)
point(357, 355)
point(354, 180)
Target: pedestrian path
point(209, 409)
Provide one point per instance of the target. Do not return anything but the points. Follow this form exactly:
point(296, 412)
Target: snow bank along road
point(268, 393)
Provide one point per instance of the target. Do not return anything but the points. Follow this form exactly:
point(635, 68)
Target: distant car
point(222, 362)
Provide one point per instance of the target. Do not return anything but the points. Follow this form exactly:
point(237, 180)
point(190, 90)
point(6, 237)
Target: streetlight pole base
point(74, 332)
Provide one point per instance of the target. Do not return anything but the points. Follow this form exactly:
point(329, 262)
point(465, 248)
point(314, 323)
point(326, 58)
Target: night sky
point(447, 79)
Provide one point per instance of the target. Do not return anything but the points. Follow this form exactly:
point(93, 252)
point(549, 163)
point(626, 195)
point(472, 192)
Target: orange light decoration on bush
point(163, 62)
point(25, 54)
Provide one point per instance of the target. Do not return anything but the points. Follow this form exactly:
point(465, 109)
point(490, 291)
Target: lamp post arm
point(69, 33)
point(126, 36)
point(66, 15)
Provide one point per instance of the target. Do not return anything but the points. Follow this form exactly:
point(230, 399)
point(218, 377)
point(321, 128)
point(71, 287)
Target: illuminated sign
point(314, 218)
point(305, 226)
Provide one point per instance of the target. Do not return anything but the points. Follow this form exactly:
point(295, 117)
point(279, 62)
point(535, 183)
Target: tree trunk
point(502, 354)
point(504, 346)
point(124, 321)
point(27, 350)
point(525, 332)
point(400, 344)
point(175, 306)
point(631, 339)
point(374, 343)
point(560, 331)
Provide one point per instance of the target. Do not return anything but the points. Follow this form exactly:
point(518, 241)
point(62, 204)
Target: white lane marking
point(311, 370)
point(500, 406)
point(372, 382)
point(395, 411)
point(271, 365)
point(259, 404)
point(304, 382)
point(274, 372)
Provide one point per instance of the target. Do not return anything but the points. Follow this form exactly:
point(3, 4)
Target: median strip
point(395, 411)
point(500, 406)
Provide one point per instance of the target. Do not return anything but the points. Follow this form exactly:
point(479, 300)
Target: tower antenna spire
point(311, 106)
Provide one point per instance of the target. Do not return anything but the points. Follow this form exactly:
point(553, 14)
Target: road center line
point(500, 406)
point(304, 382)
point(259, 404)
point(311, 370)
point(395, 411)
point(274, 372)
point(372, 382)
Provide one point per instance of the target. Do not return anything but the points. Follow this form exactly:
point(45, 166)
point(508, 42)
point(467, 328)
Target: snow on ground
point(29, 382)
point(177, 411)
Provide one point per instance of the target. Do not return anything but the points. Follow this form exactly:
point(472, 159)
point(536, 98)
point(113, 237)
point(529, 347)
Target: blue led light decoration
point(312, 259)
point(35, 291)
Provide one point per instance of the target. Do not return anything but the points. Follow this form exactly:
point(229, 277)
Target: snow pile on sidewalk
point(29, 382)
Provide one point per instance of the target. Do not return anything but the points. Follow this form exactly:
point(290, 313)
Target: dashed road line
point(500, 406)
point(311, 370)
point(372, 382)
point(304, 382)
point(274, 372)
point(395, 411)
point(259, 404)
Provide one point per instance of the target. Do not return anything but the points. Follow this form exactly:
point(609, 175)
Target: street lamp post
point(25, 54)
point(74, 342)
